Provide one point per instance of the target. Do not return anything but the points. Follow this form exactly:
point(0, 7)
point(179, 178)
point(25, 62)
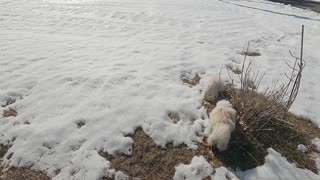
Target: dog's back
point(222, 123)
point(220, 136)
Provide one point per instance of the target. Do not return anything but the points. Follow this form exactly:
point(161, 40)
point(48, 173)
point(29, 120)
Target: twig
point(243, 63)
point(250, 155)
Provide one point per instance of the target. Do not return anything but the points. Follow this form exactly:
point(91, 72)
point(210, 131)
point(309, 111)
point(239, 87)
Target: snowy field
point(86, 73)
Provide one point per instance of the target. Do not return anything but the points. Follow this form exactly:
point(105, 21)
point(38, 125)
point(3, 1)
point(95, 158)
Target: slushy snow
point(277, 167)
point(198, 169)
point(316, 155)
point(302, 148)
point(86, 73)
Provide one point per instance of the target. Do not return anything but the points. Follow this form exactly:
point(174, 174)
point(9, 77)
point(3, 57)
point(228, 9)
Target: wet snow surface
point(85, 73)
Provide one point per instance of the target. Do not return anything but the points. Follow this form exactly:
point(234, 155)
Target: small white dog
point(222, 122)
point(215, 85)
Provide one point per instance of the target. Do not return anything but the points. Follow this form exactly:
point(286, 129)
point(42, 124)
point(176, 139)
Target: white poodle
point(215, 85)
point(222, 122)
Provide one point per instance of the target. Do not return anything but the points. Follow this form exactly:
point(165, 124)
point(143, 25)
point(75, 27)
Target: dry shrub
point(260, 109)
point(263, 115)
point(260, 124)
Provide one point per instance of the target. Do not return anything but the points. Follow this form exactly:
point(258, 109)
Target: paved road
point(314, 6)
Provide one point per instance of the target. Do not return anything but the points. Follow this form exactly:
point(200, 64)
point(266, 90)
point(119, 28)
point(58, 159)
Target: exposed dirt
point(3, 151)
point(151, 162)
point(10, 112)
point(250, 53)
point(23, 174)
point(192, 81)
point(18, 173)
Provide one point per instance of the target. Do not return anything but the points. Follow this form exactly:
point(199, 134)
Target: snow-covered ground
point(87, 72)
point(276, 167)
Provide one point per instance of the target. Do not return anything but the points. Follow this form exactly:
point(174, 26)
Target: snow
point(316, 155)
point(302, 148)
point(223, 173)
point(86, 73)
point(277, 167)
point(121, 176)
point(316, 142)
point(198, 169)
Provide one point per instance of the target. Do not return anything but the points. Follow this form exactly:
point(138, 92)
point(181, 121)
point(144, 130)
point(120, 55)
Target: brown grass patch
point(191, 81)
point(306, 127)
point(10, 112)
point(19, 173)
point(248, 53)
point(3, 151)
point(148, 161)
point(23, 174)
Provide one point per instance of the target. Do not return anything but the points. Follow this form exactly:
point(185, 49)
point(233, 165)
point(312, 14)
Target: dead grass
point(10, 112)
point(191, 81)
point(284, 135)
point(306, 127)
point(151, 162)
point(248, 53)
point(246, 150)
point(23, 174)
point(18, 173)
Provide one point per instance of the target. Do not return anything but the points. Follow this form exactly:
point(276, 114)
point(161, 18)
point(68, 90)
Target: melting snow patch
point(302, 148)
point(198, 169)
point(277, 167)
point(316, 142)
point(85, 87)
point(223, 173)
point(121, 176)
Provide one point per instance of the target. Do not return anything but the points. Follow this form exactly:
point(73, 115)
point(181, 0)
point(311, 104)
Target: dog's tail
point(220, 136)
